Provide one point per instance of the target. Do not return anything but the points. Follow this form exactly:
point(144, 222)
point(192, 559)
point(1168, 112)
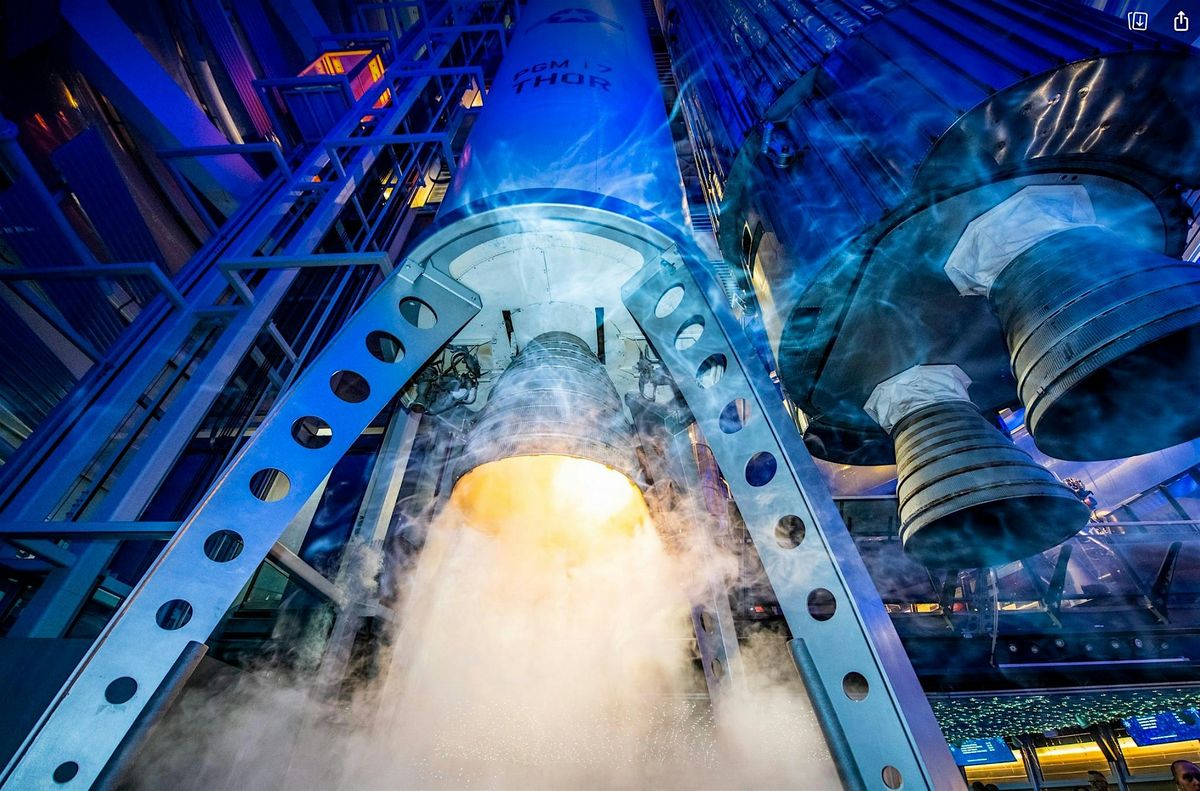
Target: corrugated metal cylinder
point(1105, 344)
point(969, 497)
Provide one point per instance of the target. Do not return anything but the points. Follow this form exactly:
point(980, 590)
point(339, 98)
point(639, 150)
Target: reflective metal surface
point(554, 398)
point(183, 597)
point(844, 644)
point(969, 497)
point(1104, 338)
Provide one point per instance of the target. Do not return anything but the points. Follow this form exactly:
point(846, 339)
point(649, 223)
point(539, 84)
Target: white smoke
point(516, 664)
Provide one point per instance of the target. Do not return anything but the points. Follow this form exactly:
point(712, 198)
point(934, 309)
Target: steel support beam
point(242, 237)
point(1107, 741)
point(712, 617)
point(232, 267)
point(875, 717)
point(370, 528)
point(48, 551)
point(1058, 582)
point(1160, 590)
point(1032, 768)
point(241, 149)
point(305, 575)
point(14, 156)
point(20, 532)
point(119, 531)
point(172, 684)
point(192, 584)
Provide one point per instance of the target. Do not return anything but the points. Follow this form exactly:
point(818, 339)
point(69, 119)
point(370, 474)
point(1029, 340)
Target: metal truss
point(148, 270)
point(232, 287)
point(875, 717)
point(197, 577)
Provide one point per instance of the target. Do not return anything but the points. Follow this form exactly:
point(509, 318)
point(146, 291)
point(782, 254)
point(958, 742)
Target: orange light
point(348, 62)
point(553, 502)
point(337, 62)
point(1007, 772)
point(1066, 761)
point(1156, 758)
point(472, 97)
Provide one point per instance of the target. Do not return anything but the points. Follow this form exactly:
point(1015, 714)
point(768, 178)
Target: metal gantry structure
point(328, 230)
point(330, 386)
point(143, 404)
point(862, 687)
point(214, 554)
point(81, 484)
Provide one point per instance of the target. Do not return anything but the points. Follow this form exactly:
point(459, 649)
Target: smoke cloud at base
point(515, 663)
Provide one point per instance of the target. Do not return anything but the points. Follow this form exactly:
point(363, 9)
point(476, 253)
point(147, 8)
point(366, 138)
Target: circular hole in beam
point(311, 432)
point(821, 604)
point(716, 667)
point(350, 387)
point(120, 690)
point(789, 531)
point(385, 347)
point(270, 484)
point(65, 772)
point(855, 686)
point(669, 300)
point(711, 370)
point(173, 614)
point(706, 622)
point(223, 546)
point(734, 416)
point(689, 333)
point(417, 313)
point(761, 468)
point(892, 777)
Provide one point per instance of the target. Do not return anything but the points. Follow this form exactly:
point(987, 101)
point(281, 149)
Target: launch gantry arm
point(878, 724)
point(197, 577)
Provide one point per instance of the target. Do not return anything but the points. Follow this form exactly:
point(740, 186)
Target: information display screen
point(974, 752)
point(1167, 726)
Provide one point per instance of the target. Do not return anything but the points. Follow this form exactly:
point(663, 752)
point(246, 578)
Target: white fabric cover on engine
point(993, 239)
point(920, 386)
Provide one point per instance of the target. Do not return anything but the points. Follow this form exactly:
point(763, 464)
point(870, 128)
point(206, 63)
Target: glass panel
point(1154, 506)
point(267, 590)
point(1071, 761)
point(1186, 492)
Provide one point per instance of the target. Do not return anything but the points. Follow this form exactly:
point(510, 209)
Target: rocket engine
point(902, 195)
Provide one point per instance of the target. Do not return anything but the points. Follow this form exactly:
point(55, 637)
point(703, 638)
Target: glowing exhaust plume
point(557, 501)
point(545, 638)
point(545, 644)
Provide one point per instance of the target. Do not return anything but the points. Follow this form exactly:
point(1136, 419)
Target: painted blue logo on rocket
point(577, 15)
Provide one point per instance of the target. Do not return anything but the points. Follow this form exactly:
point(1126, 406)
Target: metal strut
point(875, 717)
point(198, 575)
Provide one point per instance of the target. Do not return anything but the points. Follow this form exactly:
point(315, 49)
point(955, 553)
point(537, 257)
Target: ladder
point(146, 647)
